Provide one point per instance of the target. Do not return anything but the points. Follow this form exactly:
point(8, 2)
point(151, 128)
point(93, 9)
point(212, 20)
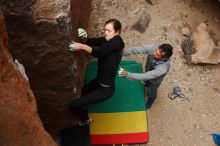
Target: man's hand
point(122, 72)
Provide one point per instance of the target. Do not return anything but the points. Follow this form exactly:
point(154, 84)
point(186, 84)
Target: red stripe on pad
point(120, 138)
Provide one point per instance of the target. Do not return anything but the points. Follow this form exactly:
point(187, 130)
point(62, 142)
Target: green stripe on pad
point(128, 96)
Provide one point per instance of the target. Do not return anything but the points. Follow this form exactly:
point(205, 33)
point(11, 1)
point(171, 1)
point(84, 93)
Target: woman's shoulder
point(120, 41)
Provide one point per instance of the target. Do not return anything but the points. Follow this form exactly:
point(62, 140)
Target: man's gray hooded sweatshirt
point(154, 70)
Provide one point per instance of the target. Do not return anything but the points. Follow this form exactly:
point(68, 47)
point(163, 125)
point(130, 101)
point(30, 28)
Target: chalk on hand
point(71, 48)
point(120, 71)
point(82, 32)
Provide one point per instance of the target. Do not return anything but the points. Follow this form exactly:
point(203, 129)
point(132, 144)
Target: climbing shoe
point(85, 122)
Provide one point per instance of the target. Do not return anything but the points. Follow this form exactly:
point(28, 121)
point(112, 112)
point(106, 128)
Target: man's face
point(158, 54)
point(109, 31)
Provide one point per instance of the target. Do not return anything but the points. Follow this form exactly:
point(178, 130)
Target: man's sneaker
point(85, 122)
point(148, 106)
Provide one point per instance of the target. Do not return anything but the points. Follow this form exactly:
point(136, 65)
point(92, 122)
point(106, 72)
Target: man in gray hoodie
point(157, 66)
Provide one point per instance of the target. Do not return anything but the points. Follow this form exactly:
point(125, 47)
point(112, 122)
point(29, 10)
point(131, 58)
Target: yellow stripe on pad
point(118, 123)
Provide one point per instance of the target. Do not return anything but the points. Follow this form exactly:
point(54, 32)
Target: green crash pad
point(130, 101)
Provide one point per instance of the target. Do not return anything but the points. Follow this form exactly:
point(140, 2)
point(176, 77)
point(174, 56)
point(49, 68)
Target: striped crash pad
point(122, 119)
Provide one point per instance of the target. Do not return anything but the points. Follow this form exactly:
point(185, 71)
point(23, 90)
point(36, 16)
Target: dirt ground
point(178, 122)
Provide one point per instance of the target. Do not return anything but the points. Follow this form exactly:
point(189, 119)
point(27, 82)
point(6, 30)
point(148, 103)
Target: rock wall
point(39, 33)
point(19, 122)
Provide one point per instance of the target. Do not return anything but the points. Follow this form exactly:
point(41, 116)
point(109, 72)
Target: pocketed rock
point(39, 34)
point(19, 122)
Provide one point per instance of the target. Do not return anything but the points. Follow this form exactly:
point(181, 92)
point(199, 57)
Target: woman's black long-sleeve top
point(109, 54)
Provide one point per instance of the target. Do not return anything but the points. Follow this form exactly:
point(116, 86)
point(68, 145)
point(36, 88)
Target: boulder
point(142, 22)
point(39, 34)
point(200, 48)
point(19, 121)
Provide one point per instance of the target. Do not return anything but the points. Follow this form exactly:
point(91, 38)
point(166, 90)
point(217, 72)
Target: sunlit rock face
point(19, 121)
point(39, 34)
point(199, 47)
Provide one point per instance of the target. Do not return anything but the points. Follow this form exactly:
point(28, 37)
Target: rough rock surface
point(19, 122)
point(200, 48)
point(39, 34)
